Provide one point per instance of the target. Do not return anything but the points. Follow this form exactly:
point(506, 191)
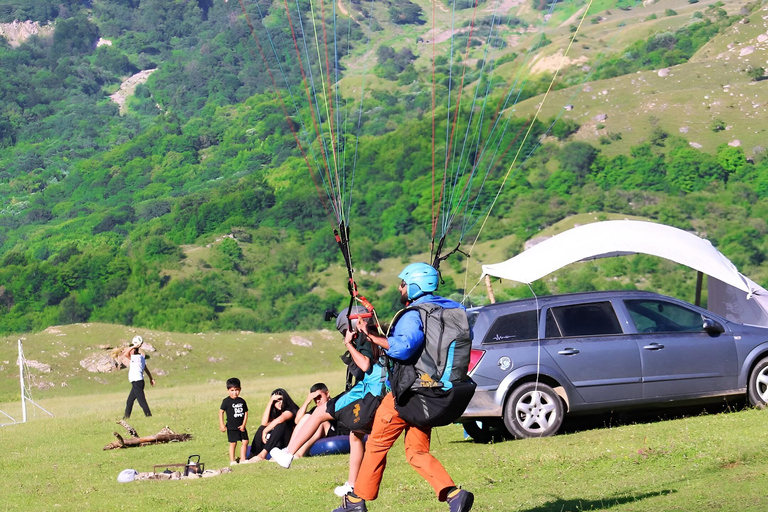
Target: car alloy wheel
point(758, 383)
point(533, 410)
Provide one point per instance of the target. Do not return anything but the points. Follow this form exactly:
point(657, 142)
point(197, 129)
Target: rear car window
point(520, 326)
point(582, 320)
point(661, 316)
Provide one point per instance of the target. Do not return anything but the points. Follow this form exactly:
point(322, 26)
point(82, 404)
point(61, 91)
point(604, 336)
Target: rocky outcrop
point(128, 87)
point(19, 31)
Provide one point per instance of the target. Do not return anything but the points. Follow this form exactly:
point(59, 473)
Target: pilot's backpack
point(433, 389)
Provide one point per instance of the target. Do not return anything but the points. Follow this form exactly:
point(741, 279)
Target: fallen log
point(166, 435)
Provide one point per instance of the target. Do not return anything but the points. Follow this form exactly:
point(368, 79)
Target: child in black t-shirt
point(237, 416)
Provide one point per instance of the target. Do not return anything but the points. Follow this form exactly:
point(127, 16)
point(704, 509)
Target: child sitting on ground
point(237, 416)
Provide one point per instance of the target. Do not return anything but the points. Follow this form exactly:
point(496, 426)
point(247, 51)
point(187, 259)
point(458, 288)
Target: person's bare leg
point(243, 450)
point(299, 426)
point(316, 435)
point(232, 452)
point(356, 452)
point(308, 429)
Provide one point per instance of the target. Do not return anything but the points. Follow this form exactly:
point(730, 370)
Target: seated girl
point(276, 425)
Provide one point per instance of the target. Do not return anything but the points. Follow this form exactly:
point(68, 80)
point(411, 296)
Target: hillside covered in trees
point(199, 207)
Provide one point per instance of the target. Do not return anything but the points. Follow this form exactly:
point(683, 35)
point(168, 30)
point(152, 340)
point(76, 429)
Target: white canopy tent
point(624, 237)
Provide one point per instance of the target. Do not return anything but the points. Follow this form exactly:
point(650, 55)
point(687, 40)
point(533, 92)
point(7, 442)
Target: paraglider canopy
point(624, 237)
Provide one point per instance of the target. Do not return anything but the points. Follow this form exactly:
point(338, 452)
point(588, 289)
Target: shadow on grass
point(493, 430)
point(675, 411)
point(577, 505)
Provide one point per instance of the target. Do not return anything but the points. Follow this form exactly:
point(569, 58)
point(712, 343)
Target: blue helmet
point(420, 278)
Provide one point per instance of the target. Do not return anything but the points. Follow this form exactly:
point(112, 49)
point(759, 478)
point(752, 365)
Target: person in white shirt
point(136, 377)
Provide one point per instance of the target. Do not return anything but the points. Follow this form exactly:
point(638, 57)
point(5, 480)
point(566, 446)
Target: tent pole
point(489, 289)
point(699, 279)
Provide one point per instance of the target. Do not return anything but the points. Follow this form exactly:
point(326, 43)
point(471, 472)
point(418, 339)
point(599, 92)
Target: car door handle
point(654, 346)
point(568, 352)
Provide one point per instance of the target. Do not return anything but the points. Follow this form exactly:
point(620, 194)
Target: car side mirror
point(712, 327)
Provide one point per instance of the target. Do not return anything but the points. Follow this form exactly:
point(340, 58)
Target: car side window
point(520, 326)
point(582, 320)
point(661, 316)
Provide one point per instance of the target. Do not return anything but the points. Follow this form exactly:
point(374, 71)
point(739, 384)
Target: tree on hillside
point(732, 160)
point(390, 63)
point(689, 169)
point(74, 36)
point(563, 128)
point(405, 12)
point(756, 74)
point(576, 158)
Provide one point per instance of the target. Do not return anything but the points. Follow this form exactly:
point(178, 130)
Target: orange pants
point(387, 427)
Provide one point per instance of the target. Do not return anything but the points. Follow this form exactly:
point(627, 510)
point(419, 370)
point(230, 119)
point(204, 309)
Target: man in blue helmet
point(404, 342)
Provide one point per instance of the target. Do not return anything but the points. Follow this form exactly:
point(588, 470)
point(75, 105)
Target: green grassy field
point(713, 462)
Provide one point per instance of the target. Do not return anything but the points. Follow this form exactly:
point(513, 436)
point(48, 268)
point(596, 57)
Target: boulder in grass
point(37, 365)
point(746, 51)
point(301, 342)
point(99, 362)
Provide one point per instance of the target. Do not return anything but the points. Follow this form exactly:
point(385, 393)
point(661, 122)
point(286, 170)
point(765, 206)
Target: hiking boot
point(462, 501)
point(343, 490)
point(348, 506)
point(281, 456)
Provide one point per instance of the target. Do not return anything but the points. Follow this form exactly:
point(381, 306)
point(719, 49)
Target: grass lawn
point(702, 462)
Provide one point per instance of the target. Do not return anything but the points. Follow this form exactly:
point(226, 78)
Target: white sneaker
point(343, 490)
point(233, 463)
point(282, 457)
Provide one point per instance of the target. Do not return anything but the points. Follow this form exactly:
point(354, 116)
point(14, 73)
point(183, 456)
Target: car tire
point(484, 430)
point(533, 410)
point(757, 390)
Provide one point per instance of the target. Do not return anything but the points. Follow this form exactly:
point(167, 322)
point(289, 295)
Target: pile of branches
point(166, 435)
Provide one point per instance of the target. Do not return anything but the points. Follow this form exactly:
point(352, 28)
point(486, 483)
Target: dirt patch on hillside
point(505, 6)
point(442, 36)
point(502, 8)
point(19, 31)
point(128, 87)
point(553, 62)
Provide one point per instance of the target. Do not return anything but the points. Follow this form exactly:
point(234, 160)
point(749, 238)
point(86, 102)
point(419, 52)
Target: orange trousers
point(387, 427)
